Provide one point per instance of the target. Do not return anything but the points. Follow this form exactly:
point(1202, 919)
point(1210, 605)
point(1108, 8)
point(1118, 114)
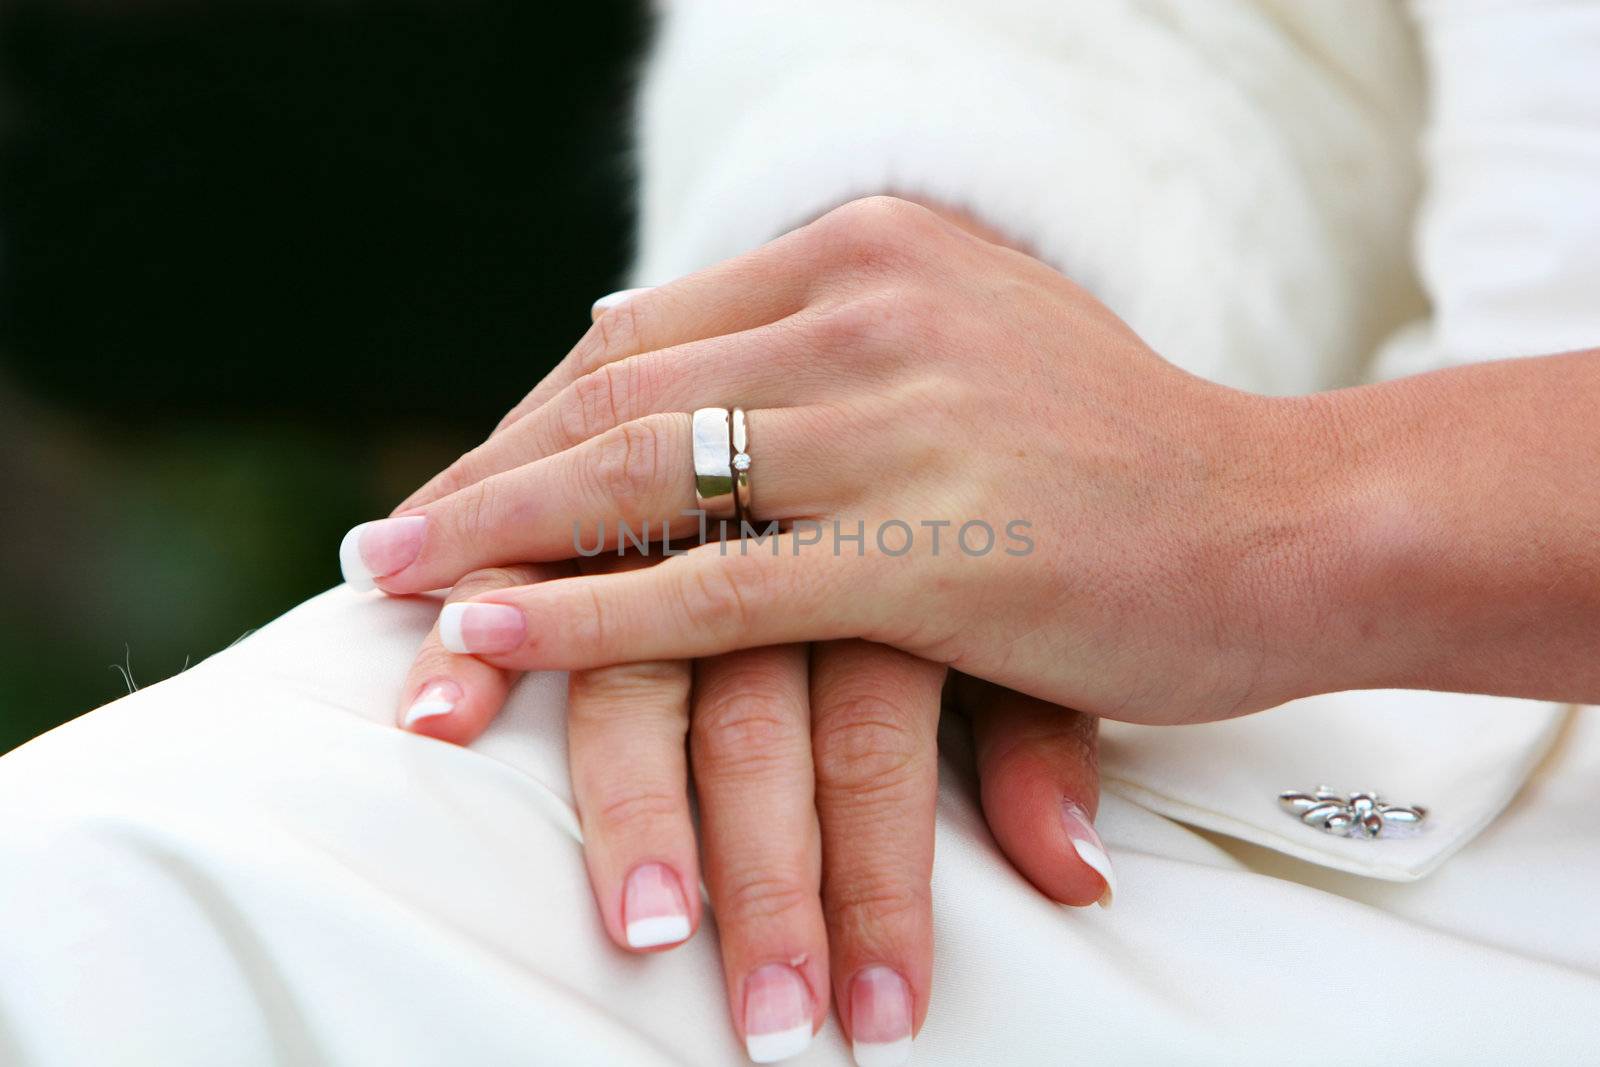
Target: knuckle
point(626, 466)
point(745, 730)
point(881, 212)
point(871, 902)
point(865, 747)
point(714, 596)
point(593, 405)
point(877, 233)
point(453, 478)
point(624, 805)
point(477, 506)
point(610, 689)
point(618, 331)
point(490, 579)
point(594, 627)
point(433, 660)
point(762, 897)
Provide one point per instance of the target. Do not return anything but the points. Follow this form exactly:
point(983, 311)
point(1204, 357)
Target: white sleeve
point(1508, 237)
point(757, 117)
point(1234, 180)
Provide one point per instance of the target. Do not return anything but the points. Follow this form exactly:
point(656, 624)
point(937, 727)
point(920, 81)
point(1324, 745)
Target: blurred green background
point(264, 268)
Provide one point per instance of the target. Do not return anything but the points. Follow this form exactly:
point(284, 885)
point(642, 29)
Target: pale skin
point(1200, 552)
point(867, 767)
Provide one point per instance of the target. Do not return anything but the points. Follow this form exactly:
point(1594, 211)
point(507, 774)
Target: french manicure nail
point(611, 300)
point(1090, 849)
point(653, 908)
point(380, 548)
point(880, 1018)
point(481, 628)
point(777, 1013)
point(438, 697)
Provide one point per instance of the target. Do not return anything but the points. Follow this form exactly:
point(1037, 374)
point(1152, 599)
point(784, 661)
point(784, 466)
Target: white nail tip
point(426, 708)
point(770, 1048)
point(351, 565)
point(450, 627)
point(1095, 857)
point(658, 930)
point(882, 1053)
point(611, 300)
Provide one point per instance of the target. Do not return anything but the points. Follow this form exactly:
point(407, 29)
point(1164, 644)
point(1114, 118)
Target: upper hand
point(895, 369)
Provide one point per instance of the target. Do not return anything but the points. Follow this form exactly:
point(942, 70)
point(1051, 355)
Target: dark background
point(263, 269)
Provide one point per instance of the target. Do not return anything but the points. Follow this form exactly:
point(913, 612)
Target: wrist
point(1331, 533)
point(1367, 547)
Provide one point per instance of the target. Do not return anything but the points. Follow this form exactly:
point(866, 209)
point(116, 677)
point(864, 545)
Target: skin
point(1200, 552)
point(850, 729)
point(842, 890)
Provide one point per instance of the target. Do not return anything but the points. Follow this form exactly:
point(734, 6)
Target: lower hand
point(816, 785)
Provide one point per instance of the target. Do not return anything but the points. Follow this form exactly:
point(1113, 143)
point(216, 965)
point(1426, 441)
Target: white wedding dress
point(248, 864)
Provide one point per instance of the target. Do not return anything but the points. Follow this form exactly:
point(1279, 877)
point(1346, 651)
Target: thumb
point(1040, 785)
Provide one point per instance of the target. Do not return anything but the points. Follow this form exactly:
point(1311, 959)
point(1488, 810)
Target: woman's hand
point(816, 796)
point(1145, 554)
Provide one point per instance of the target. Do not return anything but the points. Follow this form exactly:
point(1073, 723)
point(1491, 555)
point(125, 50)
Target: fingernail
point(653, 908)
point(438, 697)
point(1090, 849)
point(611, 300)
point(880, 1018)
point(380, 548)
point(777, 1013)
point(481, 628)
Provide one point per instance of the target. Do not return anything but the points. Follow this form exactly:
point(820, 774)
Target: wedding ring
point(713, 463)
point(741, 467)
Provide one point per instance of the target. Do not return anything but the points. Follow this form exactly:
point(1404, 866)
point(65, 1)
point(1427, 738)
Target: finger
point(449, 480)
point(453, 697)
point(806, 267)
point(761, 286)
point(694, 375)
point(629, 481)
point(713, 599)
point(1040, 784)
point(626, 729)
point(874, 724)
point(611, 300)
point(751, 748)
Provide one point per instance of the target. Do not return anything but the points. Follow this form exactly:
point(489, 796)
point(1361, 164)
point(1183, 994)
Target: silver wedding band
point(713, 463)
point(722, 463)
point(741, 467)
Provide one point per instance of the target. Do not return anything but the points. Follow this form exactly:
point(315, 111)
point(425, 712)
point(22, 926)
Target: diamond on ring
point(739, 443)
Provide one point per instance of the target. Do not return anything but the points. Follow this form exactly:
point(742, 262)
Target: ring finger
point(638, 475)
point(671, 379)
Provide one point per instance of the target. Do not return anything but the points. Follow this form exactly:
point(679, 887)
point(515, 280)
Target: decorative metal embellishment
point(1363, 814)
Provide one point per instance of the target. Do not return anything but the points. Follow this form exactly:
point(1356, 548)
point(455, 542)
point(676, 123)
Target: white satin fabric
point(247, 864)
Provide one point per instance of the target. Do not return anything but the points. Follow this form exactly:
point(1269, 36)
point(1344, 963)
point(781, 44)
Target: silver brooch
point(1364, 814)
